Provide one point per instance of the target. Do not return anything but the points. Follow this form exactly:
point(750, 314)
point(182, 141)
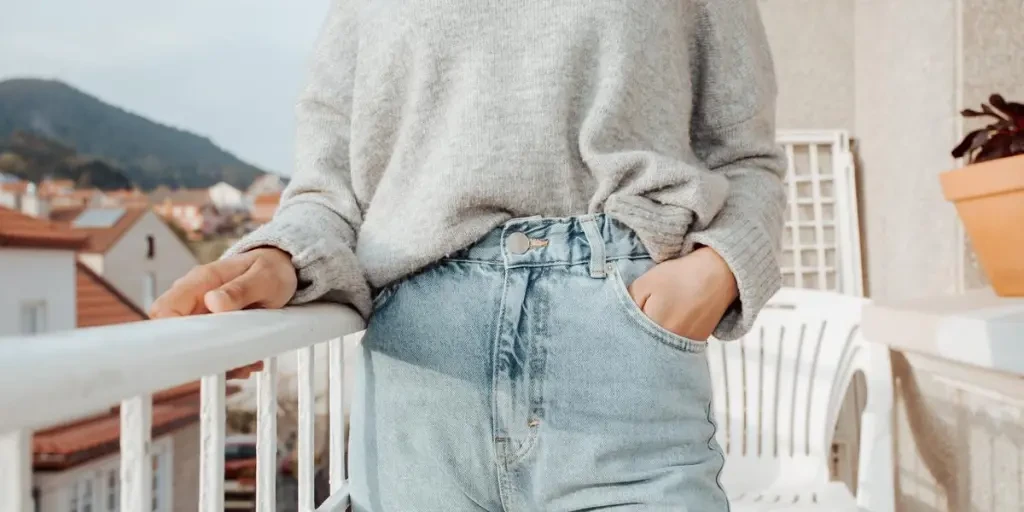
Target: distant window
point(113, 484)
point(73, 502)
point(33, 317)
point(87, 496)
point(239, 451)
point(160, 478)
point(150, 247)
point(148, 289)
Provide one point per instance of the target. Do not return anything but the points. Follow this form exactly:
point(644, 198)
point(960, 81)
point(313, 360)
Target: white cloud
point(227, 69)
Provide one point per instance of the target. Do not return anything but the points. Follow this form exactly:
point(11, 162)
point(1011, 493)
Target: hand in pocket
point(689, 295)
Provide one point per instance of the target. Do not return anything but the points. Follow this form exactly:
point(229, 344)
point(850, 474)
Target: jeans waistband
point(537, 241)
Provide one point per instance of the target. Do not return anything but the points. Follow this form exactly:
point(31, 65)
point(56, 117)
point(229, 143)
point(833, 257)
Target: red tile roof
point(98, 303)
point(182, 197)
point(50, 186)
point(267, 199)
point(17, 187)
point(20, 230)
point(128, 197)
point(264, 206)
point(66, 214)
point(70, 444)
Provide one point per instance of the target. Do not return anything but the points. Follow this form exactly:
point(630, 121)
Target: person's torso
point(469, 112)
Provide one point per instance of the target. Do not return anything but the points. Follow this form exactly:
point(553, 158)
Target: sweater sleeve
point(319, 216)
point(733, 133)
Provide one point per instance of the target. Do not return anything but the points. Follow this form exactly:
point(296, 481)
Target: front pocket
point(644, 322)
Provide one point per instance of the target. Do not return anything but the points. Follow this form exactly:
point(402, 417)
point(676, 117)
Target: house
point(11, 193)
point(263, 207)
point(124, 198)
point(227, 198)
point(76, 465)
point(37, 274)
point(131, 248)
point(269, 183)
point(46, 290)
point(49, 186)
point(193, 210)
point(73, 198)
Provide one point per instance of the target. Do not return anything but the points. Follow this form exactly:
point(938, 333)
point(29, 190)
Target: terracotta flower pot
point(989, 198)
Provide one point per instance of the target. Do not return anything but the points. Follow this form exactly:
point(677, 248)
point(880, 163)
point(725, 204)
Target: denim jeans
point(519, 375)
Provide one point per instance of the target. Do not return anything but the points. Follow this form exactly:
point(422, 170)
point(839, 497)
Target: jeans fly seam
point(501, 439)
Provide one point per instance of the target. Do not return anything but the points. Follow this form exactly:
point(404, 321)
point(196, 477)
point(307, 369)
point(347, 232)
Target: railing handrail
point(56, 377)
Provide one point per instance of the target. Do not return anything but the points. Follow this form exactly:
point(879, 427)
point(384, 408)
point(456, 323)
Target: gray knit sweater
point(425, 124)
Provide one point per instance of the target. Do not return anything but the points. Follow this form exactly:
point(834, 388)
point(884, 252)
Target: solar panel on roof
point(98, 218)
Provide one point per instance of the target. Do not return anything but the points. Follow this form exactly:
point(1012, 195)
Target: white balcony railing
point(59, 377)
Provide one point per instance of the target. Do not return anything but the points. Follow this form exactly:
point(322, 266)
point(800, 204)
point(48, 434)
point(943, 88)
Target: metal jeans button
point(518, 243)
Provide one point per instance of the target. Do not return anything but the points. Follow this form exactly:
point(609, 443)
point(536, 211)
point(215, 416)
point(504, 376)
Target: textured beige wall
point(993, 49)
point(186, 469)
point(906, 125)
point(813, 45)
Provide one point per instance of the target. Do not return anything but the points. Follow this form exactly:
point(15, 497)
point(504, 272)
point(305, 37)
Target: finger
point(639, 291)
point(185, 296)
point(254, 287)
point(656, 309)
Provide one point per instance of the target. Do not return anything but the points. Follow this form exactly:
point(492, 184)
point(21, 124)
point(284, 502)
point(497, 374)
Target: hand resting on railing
point(260, 278)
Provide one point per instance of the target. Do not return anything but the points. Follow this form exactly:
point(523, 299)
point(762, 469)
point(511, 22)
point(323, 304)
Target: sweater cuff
point(326, 264)
point(750, 254)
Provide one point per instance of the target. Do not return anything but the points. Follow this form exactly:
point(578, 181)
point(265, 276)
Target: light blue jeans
point(519, 375)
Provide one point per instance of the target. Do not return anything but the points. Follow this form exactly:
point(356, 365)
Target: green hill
point(33, 158)
point(147, 153)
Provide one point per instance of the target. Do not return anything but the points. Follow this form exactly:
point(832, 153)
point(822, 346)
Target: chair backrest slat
point(778, 390)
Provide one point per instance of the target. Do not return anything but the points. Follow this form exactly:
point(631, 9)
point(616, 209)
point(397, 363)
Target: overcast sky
point(226, 69)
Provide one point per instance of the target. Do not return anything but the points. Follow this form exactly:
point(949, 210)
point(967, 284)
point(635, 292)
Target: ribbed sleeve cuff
point(749, 252)
point(318, 242)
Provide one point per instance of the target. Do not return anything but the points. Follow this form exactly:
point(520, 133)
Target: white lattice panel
point(821, 241)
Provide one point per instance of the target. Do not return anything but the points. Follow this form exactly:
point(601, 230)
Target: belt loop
point(596, 242)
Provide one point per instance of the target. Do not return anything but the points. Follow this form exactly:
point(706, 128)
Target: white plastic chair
point(777, 396)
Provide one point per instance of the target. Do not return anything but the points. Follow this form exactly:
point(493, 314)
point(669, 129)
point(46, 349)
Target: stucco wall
point(126, 265)
point(906, 126)
point(186, 469)
point(812, 41)
point(36, 275)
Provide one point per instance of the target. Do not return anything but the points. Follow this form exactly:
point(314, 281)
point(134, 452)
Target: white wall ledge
point(976, 328)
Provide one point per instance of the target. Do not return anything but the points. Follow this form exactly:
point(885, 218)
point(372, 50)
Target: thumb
point(239, 293)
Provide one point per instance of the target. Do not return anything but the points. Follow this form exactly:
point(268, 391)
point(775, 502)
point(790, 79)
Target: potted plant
point(989, 192)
